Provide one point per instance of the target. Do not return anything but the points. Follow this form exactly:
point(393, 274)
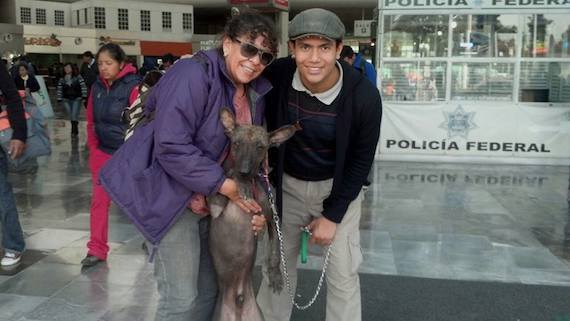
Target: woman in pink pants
point(115, 89)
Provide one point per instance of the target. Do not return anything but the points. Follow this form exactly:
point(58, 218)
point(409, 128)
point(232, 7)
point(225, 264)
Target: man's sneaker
point(10, 258)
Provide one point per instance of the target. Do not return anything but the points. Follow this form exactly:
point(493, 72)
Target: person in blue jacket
point(359, 63)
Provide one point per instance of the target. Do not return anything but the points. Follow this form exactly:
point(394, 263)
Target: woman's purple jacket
point(154, 173)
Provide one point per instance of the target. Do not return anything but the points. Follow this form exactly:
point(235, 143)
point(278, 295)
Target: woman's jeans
point(184, 272)
point(73, 107)
point(12, 235)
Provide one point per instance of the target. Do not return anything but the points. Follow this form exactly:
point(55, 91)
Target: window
point(414, 81)
point(545, 82)
point(100, 18)
point(482, 81)
point(546, 35)
point(145, 20)
point(187, 21)
point(484, 35)
point(25, 15)
point(85, 16)
point(41, 16)
point(123, 19)
point(166, 21)
point(77, 17)
point(415, 36)
point(59, 18)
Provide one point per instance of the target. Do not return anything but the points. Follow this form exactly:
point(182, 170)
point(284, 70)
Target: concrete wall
point(7, 10)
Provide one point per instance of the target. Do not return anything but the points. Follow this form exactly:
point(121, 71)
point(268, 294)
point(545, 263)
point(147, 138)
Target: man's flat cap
point(316, 22)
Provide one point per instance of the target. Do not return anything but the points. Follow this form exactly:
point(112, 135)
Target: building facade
point(58, 32)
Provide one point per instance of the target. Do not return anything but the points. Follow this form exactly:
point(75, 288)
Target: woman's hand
point(230, 190)
point(258, 223)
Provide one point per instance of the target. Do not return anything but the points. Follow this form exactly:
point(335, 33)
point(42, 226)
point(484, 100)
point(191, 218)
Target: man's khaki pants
point(302, 203)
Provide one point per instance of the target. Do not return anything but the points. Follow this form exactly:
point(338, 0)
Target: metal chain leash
point(284, 262)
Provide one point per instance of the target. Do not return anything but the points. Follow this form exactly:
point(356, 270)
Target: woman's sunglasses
point(249, 51)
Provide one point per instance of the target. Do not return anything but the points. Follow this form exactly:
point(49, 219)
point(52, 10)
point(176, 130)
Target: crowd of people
point(323, 86)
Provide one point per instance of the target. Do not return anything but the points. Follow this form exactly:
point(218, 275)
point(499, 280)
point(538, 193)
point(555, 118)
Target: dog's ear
point(227, 119)
point(279, 136)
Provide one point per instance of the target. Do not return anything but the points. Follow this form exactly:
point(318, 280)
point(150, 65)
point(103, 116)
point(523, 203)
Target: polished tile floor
point(447, 221)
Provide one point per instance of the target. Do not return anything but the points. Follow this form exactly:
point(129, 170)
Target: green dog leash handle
point(305, 234)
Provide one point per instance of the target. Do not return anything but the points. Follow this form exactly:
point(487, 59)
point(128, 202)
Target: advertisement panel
point(475, 131)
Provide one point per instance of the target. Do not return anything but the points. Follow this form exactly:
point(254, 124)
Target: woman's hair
point(74, 68)
point(151, 78)
point(252, 25)
point(23, 64)
point(114, 50)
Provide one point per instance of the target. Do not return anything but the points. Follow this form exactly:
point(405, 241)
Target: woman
point(189, 142)
point(115, 89)
point(71, 89)
point(24, 81)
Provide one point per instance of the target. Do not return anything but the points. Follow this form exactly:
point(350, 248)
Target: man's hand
point(323, 231)
point(230, 190)
point(17, 148)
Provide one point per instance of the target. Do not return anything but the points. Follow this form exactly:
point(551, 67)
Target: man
point(359, 63)
point(320, 171)
point(89, 70)
point(12, 235)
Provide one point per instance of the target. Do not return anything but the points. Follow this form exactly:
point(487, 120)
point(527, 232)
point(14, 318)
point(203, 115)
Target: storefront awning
point(159, 48)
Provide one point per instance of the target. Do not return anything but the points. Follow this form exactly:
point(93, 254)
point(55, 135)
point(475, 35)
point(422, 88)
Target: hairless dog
point(232, 240)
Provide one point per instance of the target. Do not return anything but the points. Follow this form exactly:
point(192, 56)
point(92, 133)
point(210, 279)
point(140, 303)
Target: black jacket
point(14, 105)
point(89, 74)
point(357, 133)
point(31, 84)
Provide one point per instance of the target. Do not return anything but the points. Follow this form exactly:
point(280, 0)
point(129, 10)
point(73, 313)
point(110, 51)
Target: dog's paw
point(275, 279)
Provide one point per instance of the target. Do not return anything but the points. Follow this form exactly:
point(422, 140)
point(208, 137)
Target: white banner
point(472, 4)
point(471, 132)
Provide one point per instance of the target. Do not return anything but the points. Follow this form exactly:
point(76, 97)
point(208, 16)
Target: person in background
point(12, 235)
point(22, 60)
point(71, 89)
point(89, 70)
point(359, 63)
point(167, 61)
point(25, 81)
point(319, 172)
point(115, 89)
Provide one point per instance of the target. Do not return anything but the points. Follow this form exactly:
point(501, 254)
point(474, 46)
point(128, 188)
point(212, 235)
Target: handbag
point(41, 98)
point(37, 142)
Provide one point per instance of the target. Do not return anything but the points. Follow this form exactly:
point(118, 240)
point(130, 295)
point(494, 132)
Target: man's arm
point(357, 166)
point(360, 155)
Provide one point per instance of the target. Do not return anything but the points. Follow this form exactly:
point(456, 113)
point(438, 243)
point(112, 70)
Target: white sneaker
point(10, 258)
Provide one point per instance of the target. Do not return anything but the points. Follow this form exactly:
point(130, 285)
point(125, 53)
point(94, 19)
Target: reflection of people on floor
point(74, 170)
point(567, 227)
